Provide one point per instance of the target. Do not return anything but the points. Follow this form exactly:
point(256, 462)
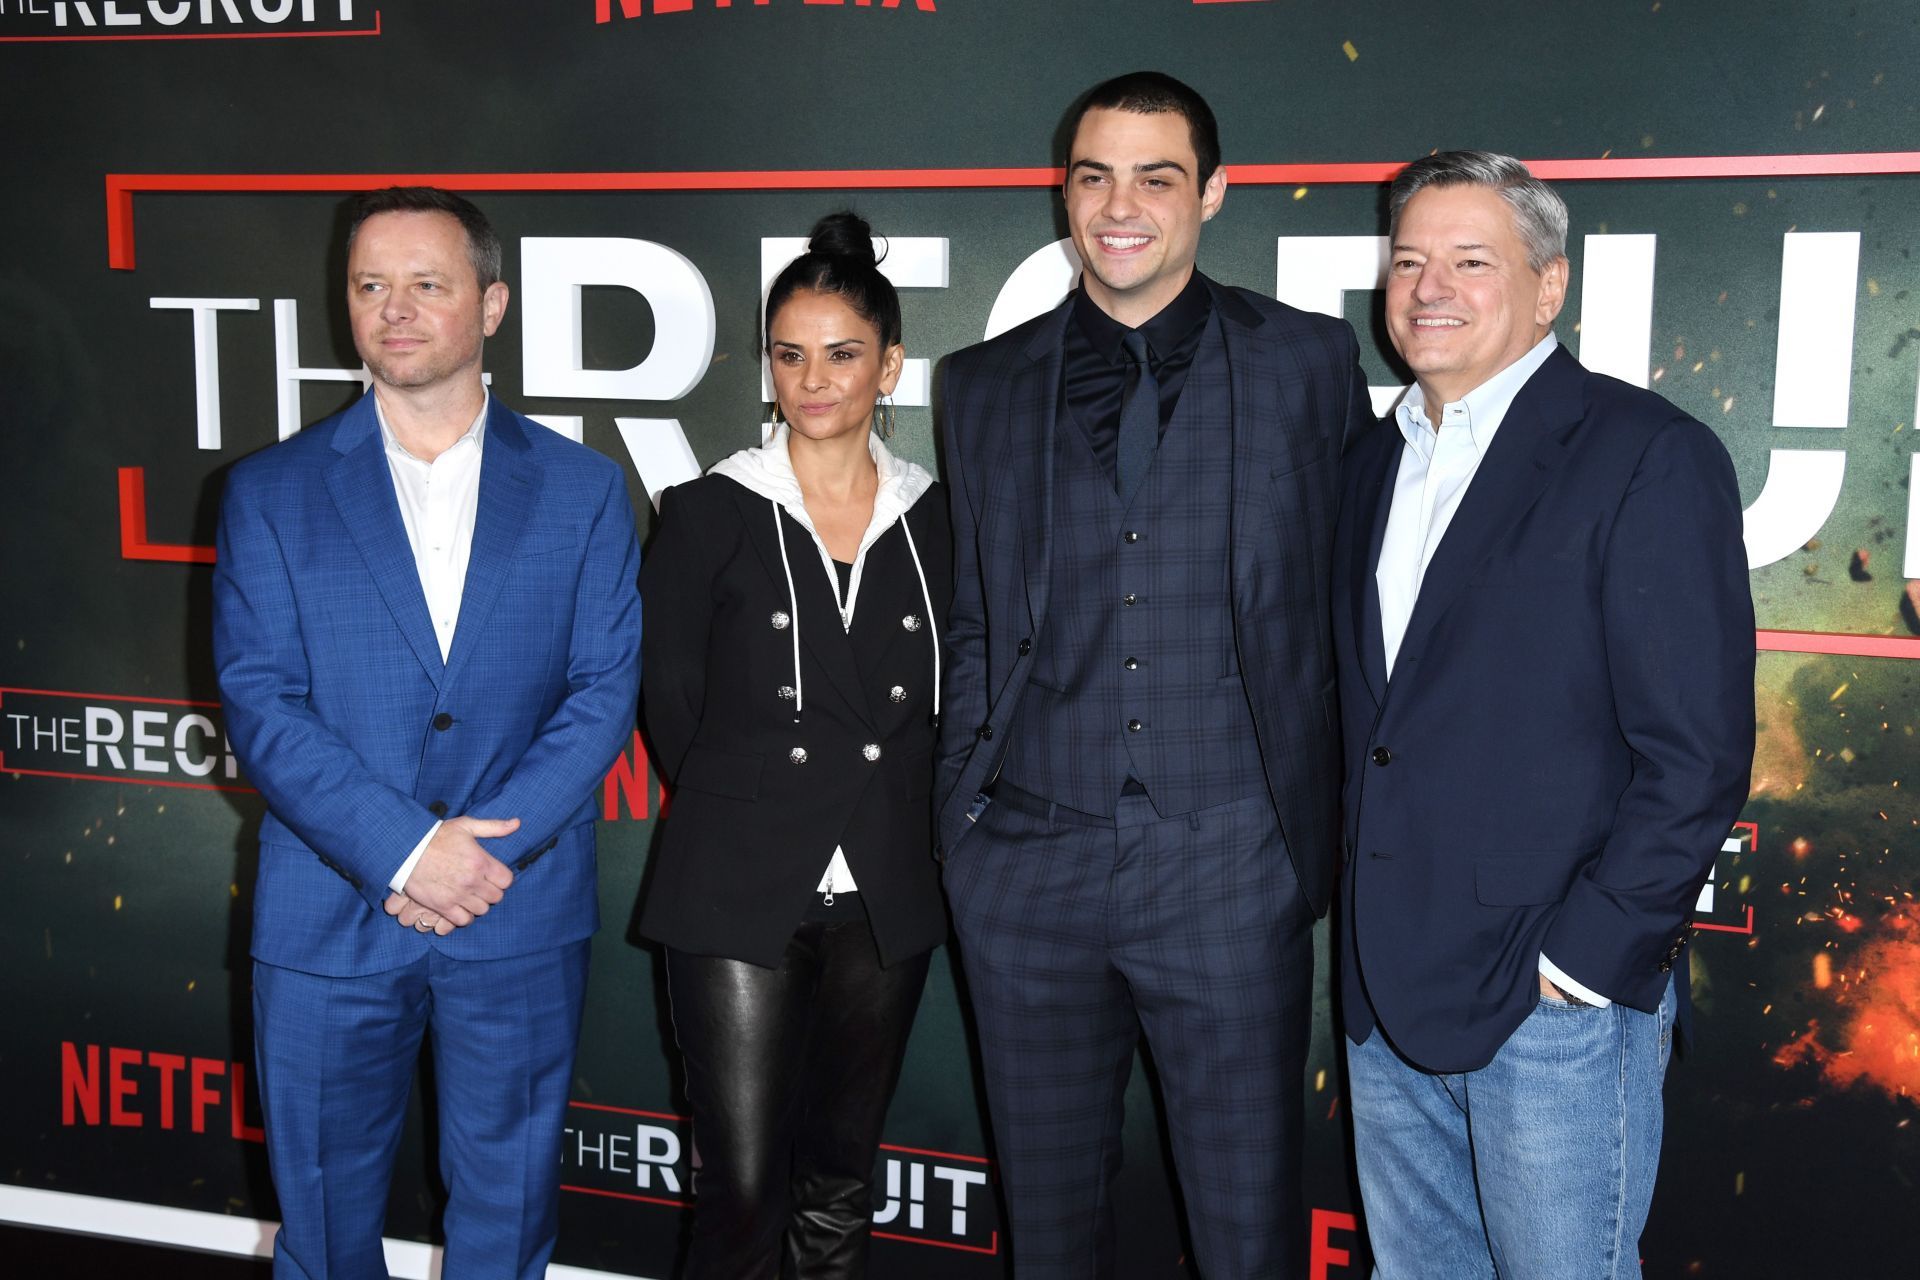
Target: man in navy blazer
point(426, 628)
point(1546, 683)
point(1137, 782)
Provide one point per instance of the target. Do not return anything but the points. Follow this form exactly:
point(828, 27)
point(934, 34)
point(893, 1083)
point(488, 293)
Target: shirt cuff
point(399, 882)
point(1558, 977)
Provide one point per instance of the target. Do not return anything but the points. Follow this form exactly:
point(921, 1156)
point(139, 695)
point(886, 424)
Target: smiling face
point(1135, 204)
point(418, 312)
point(1462, 303)
point(829, 365)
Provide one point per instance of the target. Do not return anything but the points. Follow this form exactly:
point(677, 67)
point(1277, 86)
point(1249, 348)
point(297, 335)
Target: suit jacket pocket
point(1310, 453)
point(1526, 879)
point(722, 773)
point(545, 544)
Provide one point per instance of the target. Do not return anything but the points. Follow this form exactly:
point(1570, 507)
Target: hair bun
point(843, 235)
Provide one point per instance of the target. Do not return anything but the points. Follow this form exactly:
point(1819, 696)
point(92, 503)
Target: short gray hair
point(1539, 214)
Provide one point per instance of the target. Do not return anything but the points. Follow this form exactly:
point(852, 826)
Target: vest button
point(438, 808)
point(1130, 536)
point(985, 733)
point(1131, 664)
point(1134, 726)
point(1026, 646)
point(443, 722)
point(1129, 598)
point(1382, 756)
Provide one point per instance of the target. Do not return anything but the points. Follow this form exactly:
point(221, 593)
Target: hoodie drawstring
point(926, 596)
point(793, 598)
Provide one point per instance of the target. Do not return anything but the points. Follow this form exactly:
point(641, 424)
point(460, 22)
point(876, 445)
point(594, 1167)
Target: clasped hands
point(455, 880)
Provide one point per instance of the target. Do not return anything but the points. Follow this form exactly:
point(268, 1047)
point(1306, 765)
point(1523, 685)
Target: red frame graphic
point(121, 188)
point(1753, 846)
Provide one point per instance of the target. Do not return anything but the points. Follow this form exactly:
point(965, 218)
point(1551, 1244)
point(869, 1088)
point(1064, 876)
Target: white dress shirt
point(1436, 468)
point(438, 503)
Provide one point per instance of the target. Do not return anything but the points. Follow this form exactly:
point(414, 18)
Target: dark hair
point(1152, 93)
point(839, 260)
point(483, 245)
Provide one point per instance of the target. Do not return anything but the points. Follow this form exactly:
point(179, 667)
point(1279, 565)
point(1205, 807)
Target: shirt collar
point(475, 432)
point(1481, 410)
point(1165, 331)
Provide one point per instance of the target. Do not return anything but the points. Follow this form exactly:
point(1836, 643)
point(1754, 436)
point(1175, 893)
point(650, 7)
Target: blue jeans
point(1538, 1166)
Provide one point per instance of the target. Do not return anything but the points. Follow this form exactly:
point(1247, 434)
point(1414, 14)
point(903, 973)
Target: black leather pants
point(790, 1072)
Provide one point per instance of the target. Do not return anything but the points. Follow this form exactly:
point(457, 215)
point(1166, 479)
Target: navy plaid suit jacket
point(1297, 394)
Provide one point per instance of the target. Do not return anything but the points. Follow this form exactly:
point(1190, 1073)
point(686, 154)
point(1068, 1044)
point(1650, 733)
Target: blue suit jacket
point(347, 720)
point(1297, 393)
point(1569, 728)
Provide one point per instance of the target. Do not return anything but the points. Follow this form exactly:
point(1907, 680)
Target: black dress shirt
point(1096, 366)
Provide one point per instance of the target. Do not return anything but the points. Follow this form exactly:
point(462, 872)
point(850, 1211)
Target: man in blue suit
point(1138, 778)
point(1546, 683)
point(426, 627)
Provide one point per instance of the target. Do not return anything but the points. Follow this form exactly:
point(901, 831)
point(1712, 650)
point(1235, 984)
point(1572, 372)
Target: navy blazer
point(1568, 733)
point(1297, 394)
point(360, 736)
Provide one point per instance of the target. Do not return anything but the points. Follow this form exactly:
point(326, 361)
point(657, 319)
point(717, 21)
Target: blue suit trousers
point(335, 1060)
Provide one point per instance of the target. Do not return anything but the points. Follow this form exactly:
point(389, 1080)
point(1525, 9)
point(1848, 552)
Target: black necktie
point(1139, 417)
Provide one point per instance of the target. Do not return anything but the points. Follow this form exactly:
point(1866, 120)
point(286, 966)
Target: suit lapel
point(362, 490)
point(1251, 418)
point(1526, 453)
point(509, 484)
point(1374, 495)
point(816, 603)
point(1033, 405)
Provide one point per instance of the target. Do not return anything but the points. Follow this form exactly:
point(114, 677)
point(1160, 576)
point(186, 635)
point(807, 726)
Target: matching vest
point(1135, 675)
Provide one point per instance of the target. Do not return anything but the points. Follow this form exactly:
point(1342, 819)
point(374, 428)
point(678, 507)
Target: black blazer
point(749, 829)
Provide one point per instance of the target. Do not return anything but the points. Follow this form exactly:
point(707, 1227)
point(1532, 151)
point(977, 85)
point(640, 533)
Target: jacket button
point(1130, 536)
point(1026, 646)
point(984, 733)
point(779, 619)
point(1129, 599)
point(1131, 664)
point(897, 694)
point(798, 755)
point(1382, 756)
point(438, 808)
point(443, 722)
point(1134, 726)
point(871, 751)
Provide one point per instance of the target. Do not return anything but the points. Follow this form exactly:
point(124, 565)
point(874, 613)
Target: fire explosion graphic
point(1876, 998)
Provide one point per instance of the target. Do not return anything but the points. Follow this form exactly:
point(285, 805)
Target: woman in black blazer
point(793, 601)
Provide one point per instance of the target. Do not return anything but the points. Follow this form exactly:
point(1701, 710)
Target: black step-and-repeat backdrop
point(1743, 192)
